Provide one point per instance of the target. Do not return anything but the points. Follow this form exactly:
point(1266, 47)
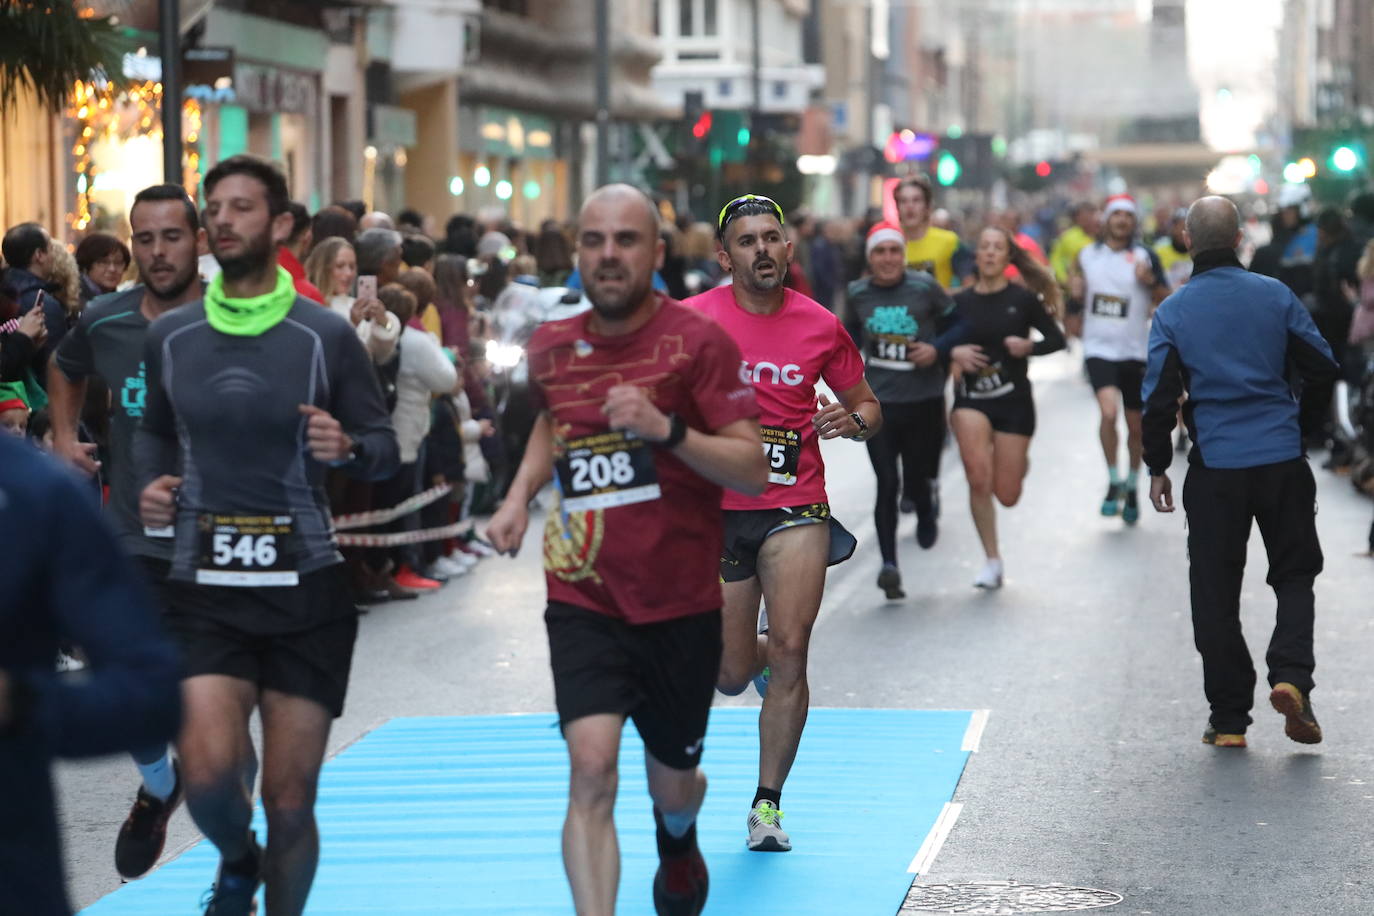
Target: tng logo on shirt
point(790, 374)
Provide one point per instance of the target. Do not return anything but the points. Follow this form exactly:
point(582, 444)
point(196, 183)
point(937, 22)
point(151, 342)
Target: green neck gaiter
point(249, 317)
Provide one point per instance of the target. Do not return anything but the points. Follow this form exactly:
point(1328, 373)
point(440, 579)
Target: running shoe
point(1296, 708)
point(479, 547)
point(1111, 503)
point(232, 894)
point(890, 581)
point(1222, 739)
point(927, 530)
point(144, 832)
point(681, 882)
point(408, 578)
point(991, 576)
point(1130, 512)
point(765, 834)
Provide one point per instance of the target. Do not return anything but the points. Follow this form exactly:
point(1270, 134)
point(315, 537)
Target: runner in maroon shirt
point(643, 420)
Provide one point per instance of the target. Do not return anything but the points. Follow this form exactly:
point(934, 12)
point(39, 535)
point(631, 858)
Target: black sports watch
point(861, 423)
point(677, 431)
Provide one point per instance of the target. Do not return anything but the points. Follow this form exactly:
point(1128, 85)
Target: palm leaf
point(47, 45)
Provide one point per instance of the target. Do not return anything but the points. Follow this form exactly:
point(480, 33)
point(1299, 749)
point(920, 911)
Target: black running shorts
point(747, 529)
point(1013, 413)
point(1128, 376)
point(313, 663)
point(661, 675)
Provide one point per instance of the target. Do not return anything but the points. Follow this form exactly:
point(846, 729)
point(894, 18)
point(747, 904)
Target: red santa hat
point(883, 232)
point(1120, 202)
point(13, 404)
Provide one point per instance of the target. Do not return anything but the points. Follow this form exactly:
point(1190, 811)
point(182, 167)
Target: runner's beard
point(251, 260)
point(760, 285)
point(617, 306)
point(175, 287)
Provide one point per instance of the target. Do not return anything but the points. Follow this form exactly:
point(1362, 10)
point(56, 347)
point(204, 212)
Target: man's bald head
point(618, 250)
point(623, 199)
point(1213, 222)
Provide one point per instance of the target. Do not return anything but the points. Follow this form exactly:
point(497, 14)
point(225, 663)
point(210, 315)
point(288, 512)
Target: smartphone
point(367, 286)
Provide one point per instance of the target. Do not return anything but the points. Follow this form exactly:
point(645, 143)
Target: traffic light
point(947, 169)
point(1346, 158)
point(702, 128)
point(1043, 169)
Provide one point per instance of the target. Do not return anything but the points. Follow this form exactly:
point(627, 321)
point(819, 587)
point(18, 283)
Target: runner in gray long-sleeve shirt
point(252, 394)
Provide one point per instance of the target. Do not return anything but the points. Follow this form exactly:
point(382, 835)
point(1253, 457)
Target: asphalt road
point(1091, 770)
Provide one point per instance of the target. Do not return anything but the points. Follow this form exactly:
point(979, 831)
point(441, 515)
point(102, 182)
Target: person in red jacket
point(293, 252)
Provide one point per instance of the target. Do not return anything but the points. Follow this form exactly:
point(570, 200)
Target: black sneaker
point(681, 884)
point(1296, 708)
point(233, 893)
point(890, 581)
point(907, 505)
point(144, 831)
point(927, 530)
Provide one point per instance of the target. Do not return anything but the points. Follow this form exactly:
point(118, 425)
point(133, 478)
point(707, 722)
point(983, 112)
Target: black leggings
point(910, 442)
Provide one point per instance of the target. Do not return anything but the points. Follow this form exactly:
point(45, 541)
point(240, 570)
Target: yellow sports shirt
point(934, 253)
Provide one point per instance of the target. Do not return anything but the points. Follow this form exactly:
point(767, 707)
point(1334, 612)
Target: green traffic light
point(1344, 159)
point(742, 136)
point(947, 169)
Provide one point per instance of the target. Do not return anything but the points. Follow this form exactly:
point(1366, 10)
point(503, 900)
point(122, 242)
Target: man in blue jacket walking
point(1232, 341)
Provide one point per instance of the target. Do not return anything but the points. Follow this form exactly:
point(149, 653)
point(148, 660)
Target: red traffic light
point(1043, 168)
point(703, 126)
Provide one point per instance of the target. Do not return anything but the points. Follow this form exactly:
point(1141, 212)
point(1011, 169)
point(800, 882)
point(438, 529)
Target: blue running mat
point(462, 815)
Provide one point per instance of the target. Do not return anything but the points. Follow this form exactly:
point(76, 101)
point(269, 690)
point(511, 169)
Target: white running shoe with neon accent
point(765, 834)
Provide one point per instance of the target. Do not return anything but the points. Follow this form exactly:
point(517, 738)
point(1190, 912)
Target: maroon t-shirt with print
point(635, 533)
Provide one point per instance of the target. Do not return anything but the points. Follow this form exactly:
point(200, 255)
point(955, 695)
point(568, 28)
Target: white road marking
point(973, 737)
point(935, 839)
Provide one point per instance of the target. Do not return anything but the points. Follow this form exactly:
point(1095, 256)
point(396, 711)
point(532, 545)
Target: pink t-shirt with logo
point(785, 354)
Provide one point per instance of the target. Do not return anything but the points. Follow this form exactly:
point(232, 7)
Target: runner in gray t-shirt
point(905, 324)
point(107, 343)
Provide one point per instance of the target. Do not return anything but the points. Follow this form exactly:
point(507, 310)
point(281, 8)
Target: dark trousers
point(1221, 504)
point(908, 446)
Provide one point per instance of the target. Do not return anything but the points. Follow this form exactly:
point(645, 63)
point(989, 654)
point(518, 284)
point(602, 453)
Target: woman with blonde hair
point(994, 413)
point(333, 267)
point(64, 281)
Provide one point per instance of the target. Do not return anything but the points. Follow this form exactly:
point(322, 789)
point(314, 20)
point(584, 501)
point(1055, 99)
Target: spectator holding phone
point(333, 267)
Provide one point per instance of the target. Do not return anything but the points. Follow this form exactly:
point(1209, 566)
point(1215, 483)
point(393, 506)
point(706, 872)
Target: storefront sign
point(392, 126)
point(208, 74)
point(510, 133)
point(270, 89)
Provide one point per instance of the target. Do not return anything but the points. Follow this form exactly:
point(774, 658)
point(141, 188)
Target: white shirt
point(1116, 308)
point(380, 340)
point(424, 372)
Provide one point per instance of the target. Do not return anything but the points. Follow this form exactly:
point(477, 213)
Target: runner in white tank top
point(1117, 283)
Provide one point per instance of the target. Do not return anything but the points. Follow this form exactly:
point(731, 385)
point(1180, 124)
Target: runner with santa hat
point(1117, 284)
point(904, 323)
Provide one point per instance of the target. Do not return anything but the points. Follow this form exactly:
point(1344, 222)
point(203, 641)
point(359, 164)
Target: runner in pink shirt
point(778, 544)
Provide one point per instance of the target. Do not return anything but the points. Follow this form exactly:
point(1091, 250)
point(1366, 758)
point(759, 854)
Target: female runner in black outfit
point(994, 415)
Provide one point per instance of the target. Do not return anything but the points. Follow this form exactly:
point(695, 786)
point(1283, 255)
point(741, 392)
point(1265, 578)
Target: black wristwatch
point(861, 423)
point(677, 431)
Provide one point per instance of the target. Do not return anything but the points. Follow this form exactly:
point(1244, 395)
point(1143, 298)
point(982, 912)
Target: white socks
point(991, 576)
point(159, 778)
